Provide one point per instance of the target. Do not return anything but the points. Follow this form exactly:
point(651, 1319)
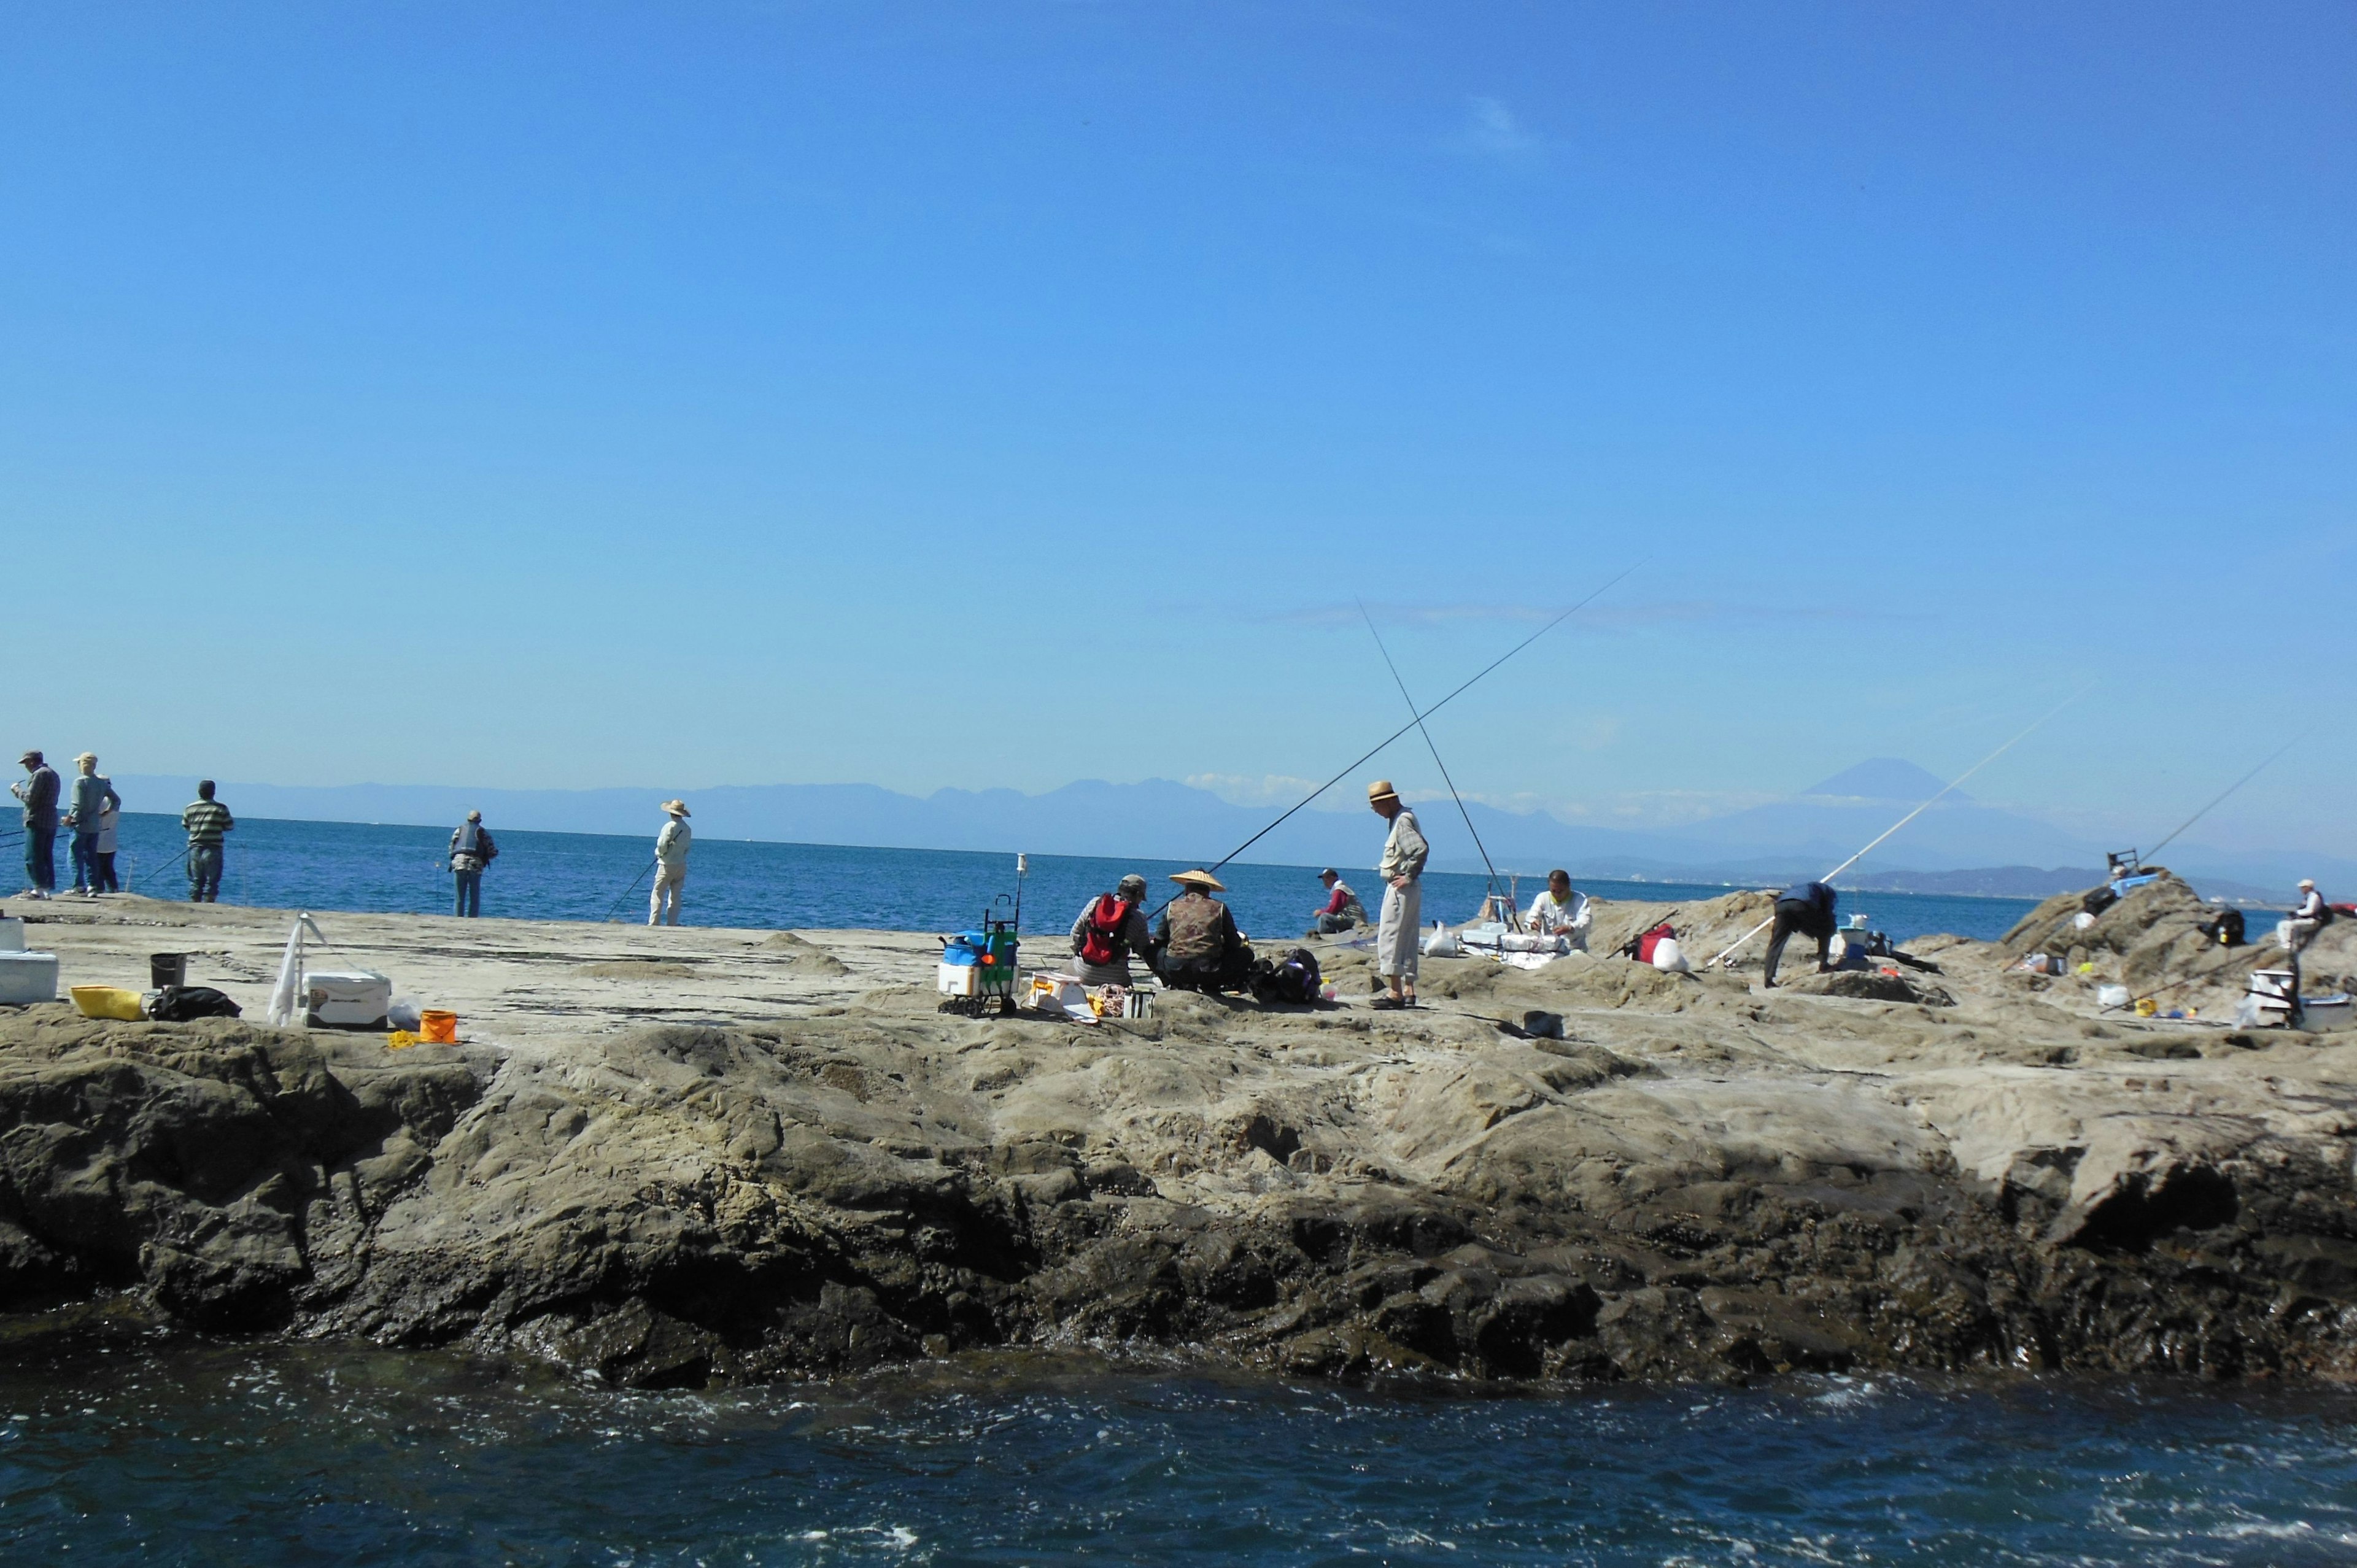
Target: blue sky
point(980, 395)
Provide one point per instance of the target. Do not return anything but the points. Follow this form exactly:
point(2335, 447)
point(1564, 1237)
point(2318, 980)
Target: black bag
point(182, 1003)
point(1293, 979)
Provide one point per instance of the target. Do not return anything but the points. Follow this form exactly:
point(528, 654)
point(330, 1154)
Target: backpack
point(180, 1004)
point(1294, 979)
point(1641, 947)
point(1101, 942)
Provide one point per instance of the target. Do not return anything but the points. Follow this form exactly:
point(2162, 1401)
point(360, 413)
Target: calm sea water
point(589, 876)
point(308, 1455)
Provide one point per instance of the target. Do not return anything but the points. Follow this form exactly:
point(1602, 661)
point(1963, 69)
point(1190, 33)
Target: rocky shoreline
point(813, 1171)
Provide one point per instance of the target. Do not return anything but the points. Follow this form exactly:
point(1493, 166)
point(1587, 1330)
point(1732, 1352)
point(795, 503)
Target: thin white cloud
point(1491, 130)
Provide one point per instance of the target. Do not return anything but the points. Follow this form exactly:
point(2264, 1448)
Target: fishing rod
point(1514, 921)
point(633, 887)
point(2221, 794)
point(1945, 790)
point(1419, 718)
point(152, 877)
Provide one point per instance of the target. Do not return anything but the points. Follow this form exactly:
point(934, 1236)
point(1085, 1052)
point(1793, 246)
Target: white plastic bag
point(2112, 996)
point(1671, 958)
point(1441, 942)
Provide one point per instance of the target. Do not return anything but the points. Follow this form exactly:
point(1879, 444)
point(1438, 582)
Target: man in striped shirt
point(206, 820)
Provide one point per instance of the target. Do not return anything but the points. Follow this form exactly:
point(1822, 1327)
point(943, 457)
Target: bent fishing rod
point(1945, 791)
point(1378, 747)
point(633, 887)
point(2221, 794)
point(1512, 919)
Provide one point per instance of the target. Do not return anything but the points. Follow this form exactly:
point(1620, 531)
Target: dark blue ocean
point(590, 877)
point(186, 1451)
point(304, 1455)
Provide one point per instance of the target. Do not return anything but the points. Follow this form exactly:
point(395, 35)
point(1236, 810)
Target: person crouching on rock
point(1806, 908)
point(1111, 928)
point(1196, 944)
point(1343, 912)
point(1561, 911)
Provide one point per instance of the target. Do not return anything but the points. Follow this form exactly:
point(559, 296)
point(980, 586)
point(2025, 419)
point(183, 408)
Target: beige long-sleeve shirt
point(1405, 852)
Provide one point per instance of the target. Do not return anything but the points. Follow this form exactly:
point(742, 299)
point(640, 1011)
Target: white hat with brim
point(676, 808)
point(1202, 879)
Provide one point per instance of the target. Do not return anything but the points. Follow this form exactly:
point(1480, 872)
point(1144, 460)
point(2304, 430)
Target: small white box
point(27, 977)
point(958, 979)
point(356, 998)
point(12, 934)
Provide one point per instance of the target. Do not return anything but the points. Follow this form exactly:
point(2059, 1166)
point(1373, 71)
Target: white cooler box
point(12, 934)
point(27, 977)
point(347, 999)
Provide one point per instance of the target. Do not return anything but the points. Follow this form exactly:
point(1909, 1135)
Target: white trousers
point(669, 880)
point(1395, 937)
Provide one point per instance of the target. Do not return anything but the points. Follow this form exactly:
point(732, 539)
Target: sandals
point(1389, 1003)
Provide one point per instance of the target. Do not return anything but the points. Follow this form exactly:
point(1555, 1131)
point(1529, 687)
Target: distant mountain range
point(1956, 846)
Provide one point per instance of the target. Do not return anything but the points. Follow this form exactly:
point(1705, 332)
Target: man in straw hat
point(1401, 868)
point(2309, 916)
point(1196, 944)
point(671, 866)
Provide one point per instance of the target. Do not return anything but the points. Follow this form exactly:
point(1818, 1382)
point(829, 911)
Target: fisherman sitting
point(2310, 915)
point(1196, 945)
point(1344, 911)
point(1108, 931)
point(1562, 912)
point(1806, 908)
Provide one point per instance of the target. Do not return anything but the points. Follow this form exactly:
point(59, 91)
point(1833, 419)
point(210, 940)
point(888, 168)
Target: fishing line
point(1918, 812)
point(1428, 712)
point(1512, 920)
point(2221, 794)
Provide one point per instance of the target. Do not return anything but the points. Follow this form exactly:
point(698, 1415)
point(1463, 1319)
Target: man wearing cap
point(1196, 944)
point(471, 849)
point(92, 793)
point(2312, 915)
point(1344, 911)
point(1108, 930)
point(671, 866)
point(1401, 868)
point(38, 791)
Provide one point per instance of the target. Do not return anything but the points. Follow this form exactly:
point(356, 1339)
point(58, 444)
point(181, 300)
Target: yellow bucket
point(106, 1002)
point(439, 1029)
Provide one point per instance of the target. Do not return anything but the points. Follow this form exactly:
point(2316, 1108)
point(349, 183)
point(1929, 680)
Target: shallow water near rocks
point(184, 1452)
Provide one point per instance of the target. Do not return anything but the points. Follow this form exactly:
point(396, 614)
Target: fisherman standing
point(1402, 869)
point(92, 794)
point(471, 849)
point(1108, 930)
point(38, 791)
point(671, 866)
point(1806, 908)
point(1343, 912)
point(205, 819)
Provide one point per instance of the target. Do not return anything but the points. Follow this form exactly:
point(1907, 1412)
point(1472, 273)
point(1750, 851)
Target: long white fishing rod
point(1430, 745)
point(1945, 791)
point(1419, 718)
point(2221, 794)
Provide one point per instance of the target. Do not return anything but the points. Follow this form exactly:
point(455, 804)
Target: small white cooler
point(27, 977)
point(12, 934)
point(345, 999)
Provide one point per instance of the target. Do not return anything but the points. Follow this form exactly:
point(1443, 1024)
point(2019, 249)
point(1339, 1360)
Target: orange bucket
point(437, 1028)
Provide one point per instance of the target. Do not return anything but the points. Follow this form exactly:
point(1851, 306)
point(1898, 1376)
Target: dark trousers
point(41, 857)
point(470, 893)
point(204, 873)
point(85, 860)
point(104, 860)
point(1330, 925)
point(1791, 918)
point(1231, 972)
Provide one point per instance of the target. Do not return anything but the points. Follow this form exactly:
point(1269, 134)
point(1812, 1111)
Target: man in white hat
point(2312, 915)
point(671, 866)
point(1402, 869)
